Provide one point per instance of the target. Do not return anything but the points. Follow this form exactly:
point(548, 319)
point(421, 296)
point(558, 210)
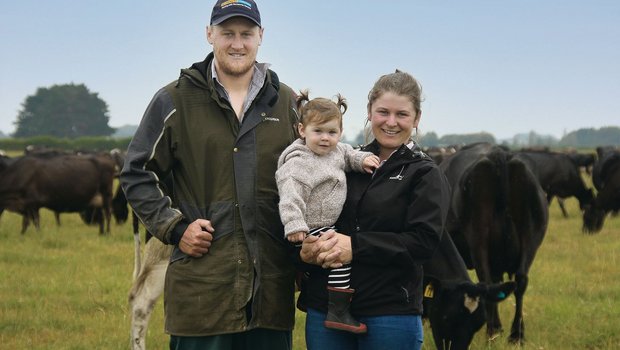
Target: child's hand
point(370, 163)
point(296, 237)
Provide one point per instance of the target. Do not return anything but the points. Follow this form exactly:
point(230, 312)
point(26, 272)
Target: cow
point(120, 210)
point(61, 183)
point(583, 161)
point(438, 154)
point(5, 162)
point(606, 179)
point(603, 152)
point(453, 304)
point(119, 159)
point(558, 176)
point(497, 219)
point(147, 287)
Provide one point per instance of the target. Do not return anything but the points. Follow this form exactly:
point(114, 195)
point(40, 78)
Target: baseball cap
point(225, 9)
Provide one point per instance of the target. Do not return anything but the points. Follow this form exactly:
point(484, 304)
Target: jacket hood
point(198, 73)
point(296, 149)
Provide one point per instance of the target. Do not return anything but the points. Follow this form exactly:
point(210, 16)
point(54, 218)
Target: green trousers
point(255, 339)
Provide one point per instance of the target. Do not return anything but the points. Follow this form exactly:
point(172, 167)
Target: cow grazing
point(497, 220)
point(61, 183)
point(606, 179)
point(148, 286)
point(453, 304)
point(559, 177)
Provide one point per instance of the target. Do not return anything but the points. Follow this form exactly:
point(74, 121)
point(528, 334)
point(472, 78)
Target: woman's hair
point(320, 110)
point(399, 83)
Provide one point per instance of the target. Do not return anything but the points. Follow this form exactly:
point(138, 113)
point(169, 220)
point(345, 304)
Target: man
point(214, 136)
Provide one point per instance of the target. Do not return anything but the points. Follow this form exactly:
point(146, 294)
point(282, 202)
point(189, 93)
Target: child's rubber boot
point(338, 316)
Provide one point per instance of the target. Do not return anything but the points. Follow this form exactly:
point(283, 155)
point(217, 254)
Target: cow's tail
point(500, 158)
point(137, 261)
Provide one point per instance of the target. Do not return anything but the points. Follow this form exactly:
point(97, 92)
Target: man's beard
point(236, 69)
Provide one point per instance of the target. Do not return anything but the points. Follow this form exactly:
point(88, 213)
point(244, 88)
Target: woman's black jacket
point(395, 218)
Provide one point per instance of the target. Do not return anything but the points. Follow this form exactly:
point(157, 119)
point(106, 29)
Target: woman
point(391, 223)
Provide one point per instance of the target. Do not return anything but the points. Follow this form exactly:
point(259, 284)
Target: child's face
point(321, 138)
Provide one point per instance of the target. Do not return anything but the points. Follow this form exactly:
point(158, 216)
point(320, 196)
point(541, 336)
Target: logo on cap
point(236, 2)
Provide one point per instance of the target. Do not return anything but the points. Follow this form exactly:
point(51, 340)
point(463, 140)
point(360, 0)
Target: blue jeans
point(392, 332)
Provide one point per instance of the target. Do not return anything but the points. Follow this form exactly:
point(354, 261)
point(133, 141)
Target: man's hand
point(197, 238)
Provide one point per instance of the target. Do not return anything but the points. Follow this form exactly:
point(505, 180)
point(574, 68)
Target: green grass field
point(66, 288)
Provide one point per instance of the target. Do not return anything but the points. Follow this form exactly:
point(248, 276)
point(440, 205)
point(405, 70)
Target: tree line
point(71, 111)
point(581, 138)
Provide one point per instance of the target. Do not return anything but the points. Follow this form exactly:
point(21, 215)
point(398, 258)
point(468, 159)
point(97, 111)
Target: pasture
point(66, 288)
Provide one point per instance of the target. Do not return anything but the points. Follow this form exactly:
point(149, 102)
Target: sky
point(503, 67)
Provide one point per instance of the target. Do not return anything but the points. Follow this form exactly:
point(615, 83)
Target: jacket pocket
point(268, 219)
point(332, 203)
point(221, 215)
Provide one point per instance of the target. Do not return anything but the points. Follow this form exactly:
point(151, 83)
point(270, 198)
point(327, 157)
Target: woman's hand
point(344, 247)
point(330, 250)
point(315, 249)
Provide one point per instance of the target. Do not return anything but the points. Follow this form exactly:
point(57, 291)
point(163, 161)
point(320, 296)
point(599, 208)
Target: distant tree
point(63, 111)
point(358, 140)
point(535, 139)
point(429, 139)
point(590, 137)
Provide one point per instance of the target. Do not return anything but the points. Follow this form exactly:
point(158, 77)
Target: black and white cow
point(453, 304)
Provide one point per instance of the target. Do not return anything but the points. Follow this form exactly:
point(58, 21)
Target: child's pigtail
point(342, 104)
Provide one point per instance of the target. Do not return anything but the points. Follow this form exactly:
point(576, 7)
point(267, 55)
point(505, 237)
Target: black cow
point(606, 179)
point(453, 304)
point(120, 210)
point(438, 154)
point(603, 152)
point(62, 183)
point(583, 161)
point(558, 176)
point(5, 162)
point(497, 220)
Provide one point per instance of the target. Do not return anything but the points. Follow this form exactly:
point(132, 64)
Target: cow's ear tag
point(429, 291)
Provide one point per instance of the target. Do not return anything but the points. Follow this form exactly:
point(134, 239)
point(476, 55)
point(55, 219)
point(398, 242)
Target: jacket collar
point(200, 75)
point(410, 151)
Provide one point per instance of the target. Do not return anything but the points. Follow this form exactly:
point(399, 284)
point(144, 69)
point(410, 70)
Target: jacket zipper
point(406, 293)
